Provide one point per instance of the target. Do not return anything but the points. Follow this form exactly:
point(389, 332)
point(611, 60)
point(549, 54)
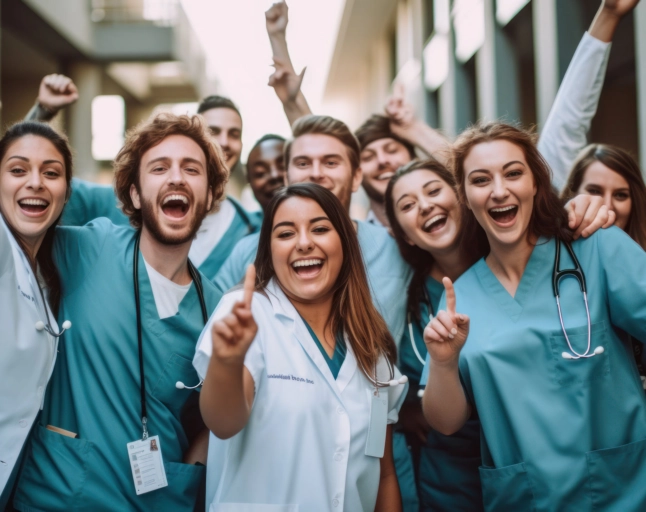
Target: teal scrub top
point(95, 389)
point(335, 362)
point(559, 434)
point(448, 477)
point(242, 225)
point(90, 201)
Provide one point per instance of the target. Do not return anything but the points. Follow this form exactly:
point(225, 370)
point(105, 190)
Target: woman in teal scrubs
point(556, 435)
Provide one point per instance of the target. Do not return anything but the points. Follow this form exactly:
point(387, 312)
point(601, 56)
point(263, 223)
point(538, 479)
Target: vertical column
point(546, 57)
point(88, 79)
point(640, 64)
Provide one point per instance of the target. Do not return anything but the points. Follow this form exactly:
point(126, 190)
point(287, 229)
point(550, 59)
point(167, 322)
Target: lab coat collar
point(282, 307)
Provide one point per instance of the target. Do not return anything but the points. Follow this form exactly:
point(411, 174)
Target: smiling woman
point(35, 175)
point(311, 322)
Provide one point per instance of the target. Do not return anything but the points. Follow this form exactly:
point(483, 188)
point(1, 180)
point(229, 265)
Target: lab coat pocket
point(585, 369)
point(616, 477)
point(56, 471)
point(184, 483)
point(177, 369)
point(251, 507)
point(507, 488)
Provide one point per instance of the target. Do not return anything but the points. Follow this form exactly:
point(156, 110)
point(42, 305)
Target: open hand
point(447, 333)
point(233, 335)
point(56, 92)
point(587, 213)
point(276, 19)
point(400, 113)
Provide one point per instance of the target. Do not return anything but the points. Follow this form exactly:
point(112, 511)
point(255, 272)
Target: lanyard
point(135, 276)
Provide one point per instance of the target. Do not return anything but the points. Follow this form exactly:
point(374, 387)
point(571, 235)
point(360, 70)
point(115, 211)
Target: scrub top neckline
point(340, 350)
point(514, 306)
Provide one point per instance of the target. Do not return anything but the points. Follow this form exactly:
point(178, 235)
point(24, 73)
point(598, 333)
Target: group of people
point(474, 344)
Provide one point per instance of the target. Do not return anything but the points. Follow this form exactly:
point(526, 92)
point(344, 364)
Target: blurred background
point(460, 60)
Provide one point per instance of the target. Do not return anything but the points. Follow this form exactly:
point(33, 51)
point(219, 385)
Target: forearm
point(40, 113)
point(280, 50)
point(429, 140)
point(297, 109)
point(444, 403)
point(604, 25)
point(388, 496)
point(198, 450)
point(222, 400)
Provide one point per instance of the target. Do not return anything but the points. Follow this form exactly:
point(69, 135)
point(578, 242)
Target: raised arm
point(284, 80)
point(406, 125)
point(55, 93)
point(444, 403)
point(228, 390)
point(567, 125)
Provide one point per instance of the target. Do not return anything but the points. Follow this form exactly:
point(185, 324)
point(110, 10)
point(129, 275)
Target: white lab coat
point(27, 356)
point(303, 448)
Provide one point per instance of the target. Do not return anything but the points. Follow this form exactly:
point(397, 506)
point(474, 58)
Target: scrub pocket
point(251, 507)
point(580, 371)
point(507, 488)
point(184, 482)
point(616, 477)
point(180, 369)
point(55, 471)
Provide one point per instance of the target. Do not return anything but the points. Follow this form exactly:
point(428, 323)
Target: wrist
point(450, 366)
point(279, 36)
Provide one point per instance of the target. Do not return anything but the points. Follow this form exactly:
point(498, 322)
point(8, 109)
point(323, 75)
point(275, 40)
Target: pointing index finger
point(249, 285)
point(450, 295)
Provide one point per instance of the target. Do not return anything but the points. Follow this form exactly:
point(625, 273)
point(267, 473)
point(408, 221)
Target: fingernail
point(451, 336)
point(454, 331)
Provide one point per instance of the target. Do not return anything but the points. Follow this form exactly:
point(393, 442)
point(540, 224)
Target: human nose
point(317, 173)
point(304, 241)
point(276, 173)
point(175, 175)
point(499, 188)
point(223, 140)
point(425, 204)
point(35, 180)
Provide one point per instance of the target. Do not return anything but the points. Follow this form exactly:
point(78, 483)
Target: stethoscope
point(427, 301)
point(385, 384)
point(577, 272)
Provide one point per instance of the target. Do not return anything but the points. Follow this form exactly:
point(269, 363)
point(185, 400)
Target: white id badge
point(376, 442)
point(147, 465)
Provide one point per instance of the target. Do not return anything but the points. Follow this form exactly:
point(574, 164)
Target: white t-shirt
point(305, 440)
point(213, 228)
point(168, 295)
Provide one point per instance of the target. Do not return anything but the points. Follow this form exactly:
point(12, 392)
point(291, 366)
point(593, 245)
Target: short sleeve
point(77, 249)
point(254, 360)
point(234, 267)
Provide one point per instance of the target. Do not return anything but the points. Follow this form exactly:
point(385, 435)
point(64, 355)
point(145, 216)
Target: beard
point(152, 224)
point(376, 195)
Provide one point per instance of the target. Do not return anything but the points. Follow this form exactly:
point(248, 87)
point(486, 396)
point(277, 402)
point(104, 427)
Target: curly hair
point(150, 133)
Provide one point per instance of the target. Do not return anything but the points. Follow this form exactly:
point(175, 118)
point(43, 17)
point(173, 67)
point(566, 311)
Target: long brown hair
point(416, 257)
point(352, 307)
point(150, 133)
point(548, 219)
point(621, 162)
point(43, 261)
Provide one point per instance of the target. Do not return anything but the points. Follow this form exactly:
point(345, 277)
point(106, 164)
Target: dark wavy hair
point(621, 162)
point(352, 307)
point(44, 261)
point(420, 260)
point(549, 218)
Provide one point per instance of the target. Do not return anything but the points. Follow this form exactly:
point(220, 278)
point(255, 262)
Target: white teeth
point(176, 197)
point(34, 202)
point(433, 219)
point(306, 263)
point(502, 209)
point(386, 176)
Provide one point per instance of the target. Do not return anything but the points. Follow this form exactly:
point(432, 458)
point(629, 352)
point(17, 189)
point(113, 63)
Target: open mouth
point(308, 268)
point(504, 214)
point(175, 206)
point(33, 206)
point(385, 176)
point(435, 223)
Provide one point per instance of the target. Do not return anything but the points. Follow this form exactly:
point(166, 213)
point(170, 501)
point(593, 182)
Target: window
point(108, 126)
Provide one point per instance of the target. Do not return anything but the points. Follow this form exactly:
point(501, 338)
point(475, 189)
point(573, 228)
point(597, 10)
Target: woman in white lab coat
point(297, 380)
point(35, 175)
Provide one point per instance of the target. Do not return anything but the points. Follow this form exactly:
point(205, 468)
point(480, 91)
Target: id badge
point(147, 465)
point(376, 442)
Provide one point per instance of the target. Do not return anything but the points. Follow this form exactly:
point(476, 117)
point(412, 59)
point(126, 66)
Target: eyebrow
point(289, 223)
point(25, 159)
point(167, 159)
point(331, 155)
point(503, 167)
point(423, 186)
